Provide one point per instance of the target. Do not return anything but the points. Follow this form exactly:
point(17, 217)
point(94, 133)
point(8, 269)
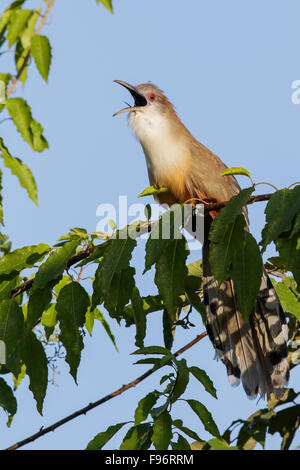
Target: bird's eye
point(151, 97)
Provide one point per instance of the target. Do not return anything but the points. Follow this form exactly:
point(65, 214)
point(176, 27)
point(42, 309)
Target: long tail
point(254, 352)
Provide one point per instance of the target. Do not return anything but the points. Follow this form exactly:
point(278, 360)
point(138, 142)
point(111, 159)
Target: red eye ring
point(151, 97)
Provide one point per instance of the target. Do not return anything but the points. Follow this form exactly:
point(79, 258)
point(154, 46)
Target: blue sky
point(228, 67)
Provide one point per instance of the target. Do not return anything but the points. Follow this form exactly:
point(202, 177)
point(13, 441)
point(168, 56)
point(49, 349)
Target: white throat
point(162, 150)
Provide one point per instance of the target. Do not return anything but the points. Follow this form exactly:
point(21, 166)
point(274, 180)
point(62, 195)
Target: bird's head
point(148, 98)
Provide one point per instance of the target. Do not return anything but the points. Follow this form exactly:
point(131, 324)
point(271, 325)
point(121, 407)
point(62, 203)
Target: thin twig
point(27, 57)
point(93, 405)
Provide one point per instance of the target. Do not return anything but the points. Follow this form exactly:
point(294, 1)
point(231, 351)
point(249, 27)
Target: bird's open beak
point(139, 100)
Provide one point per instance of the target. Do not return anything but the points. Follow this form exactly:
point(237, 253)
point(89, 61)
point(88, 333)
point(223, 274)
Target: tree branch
point(146, 228)
point(93, 405)
point(27, 57)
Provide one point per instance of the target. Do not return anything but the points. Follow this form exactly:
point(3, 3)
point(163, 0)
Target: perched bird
point(254, 352)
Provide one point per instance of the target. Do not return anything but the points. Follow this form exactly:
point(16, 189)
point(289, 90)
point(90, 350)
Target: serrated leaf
point(236, 170)
point(136, 437)
point(287, 299)
point(116, 258)
point(17, 24)
point(72, 304)
point(28, 33)
point(144, 407)
point(41, 52)
point(153, 191)
point(170, 274)
point(119, 293)
point(11, 331)
point(166, 228)
point(49, 315)
point(246, 273)
point(21, 56)
point(38, 301)
point(290, 255)
point(167, 330)
point(139, 317)
point(203, 378)
point(21, 171)
point(220, 444)
point(7, 399)
point(54, 265)
point(162, 431)
point(228, 214)
point(98, 315)
point(182, 380)
point(152, 350)
point(35, 360)
point(7, 284)
point(22, 258)
point(205, 416)
point(189, 432)
point(103, 437)
point(8, 13)
point(221, 254)
point(280, 210)
point(181, 444)
point(30, 130)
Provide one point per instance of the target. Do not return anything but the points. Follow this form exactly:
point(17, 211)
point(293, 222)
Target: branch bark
point(93, 405)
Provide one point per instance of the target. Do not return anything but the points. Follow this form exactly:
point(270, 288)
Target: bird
point(254, 351)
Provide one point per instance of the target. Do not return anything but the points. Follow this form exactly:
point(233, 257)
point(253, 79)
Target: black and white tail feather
point(254, 352)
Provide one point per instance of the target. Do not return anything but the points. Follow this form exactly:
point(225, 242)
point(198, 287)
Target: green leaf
point(280, 211)
point(144, 407)
point(11, 331)
point(166, 228)
point(228, 214)
point(221, 254)
point(21, 57)
point(168, 331)
point(116, 259)
point(72, 304)
point(54, 265)
point(49, 315)
point(286, 422)
point(151, 303)
point(30, 130)
point(139, 317)
point(182, 380)
point(136, 437)
point(103, 437)
point(22, 258)
point(29, 31)
point(41, 52)
point(38, 301)
point(152, 350)
point(170, 274)
point(202, 376)
point(96, 314)
point(205, 416)
point(181, 444)
point(290, 255)
point(7, 399)
point(17, 25)
point(193, 280)
point(162, 431)
point(236, 170)
point(246, 273)
point(8, 13)
point(220, 444)
point(289, 301)
point(21, 171)
point(189, 432)
point(34, 357)
point(7, 284)
point(153, 191)
point(121, 286)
